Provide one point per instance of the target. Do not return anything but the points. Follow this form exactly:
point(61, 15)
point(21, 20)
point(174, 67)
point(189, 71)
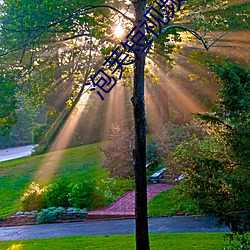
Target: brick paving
point(124, 207)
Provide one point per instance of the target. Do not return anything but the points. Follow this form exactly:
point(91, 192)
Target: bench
point(182, 176)
point(155, 177)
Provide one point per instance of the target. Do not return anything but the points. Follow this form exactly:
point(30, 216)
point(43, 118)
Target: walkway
point(17, 152)
point(124, 207)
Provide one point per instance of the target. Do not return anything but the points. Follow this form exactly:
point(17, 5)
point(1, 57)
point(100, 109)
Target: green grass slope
point(16, 175)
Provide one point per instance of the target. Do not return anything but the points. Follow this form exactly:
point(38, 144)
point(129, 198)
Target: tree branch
point(112, 8)
point(42, 29)
point(193, 32)
point(76, 12)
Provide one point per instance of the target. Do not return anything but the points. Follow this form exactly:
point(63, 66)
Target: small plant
point(48, 215)
point(33, 197)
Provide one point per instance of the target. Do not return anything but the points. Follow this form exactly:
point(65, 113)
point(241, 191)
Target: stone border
point(30, 219)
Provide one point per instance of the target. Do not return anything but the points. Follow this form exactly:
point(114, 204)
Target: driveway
point(156, 225)
point(14, 153)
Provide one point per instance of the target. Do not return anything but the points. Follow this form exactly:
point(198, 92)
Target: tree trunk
point(139, 151)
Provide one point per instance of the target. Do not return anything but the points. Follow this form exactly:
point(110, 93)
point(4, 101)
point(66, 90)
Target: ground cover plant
point(172, 241)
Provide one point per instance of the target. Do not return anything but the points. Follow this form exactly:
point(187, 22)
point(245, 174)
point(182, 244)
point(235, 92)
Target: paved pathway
point(125, 206)
point(14, 153)
point(156, 225)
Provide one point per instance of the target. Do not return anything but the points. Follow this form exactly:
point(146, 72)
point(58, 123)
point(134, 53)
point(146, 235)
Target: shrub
point(166, 141)
point(81, 194)
point(152, 155)
point(103, 194)
point(38, 131)
point(242, 241)
point(109, 189)
point(33, 197)
point(48, 215)
point(57, 193)
point(216, 168)
point(73, 209)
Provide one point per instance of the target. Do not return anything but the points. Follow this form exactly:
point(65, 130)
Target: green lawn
point(16, 175)
point(169, 202)
point(172, 241)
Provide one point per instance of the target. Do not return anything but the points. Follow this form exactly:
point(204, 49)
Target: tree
point(217, 168)
point(139, 151)
point(8, 105)
point(82, 18)
point(118, 156)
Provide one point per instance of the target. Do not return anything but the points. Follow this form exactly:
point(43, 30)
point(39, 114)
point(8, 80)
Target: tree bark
point(139, 151)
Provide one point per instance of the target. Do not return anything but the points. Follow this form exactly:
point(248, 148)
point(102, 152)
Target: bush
point(243, 242)
point(57, 193)
point(152, 155)
point(109, 189)
point(38, 131)
point(33, 198)
point(103, 194)
point(216, 168)
point(81, 194)
point(48, 215)
point(166, 141)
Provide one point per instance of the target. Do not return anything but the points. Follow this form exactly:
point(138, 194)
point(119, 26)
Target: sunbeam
point(51, 161)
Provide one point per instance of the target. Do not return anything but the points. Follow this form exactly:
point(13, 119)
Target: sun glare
point(119, 31)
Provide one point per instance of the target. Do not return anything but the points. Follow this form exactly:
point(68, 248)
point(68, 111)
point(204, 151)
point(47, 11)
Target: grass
point(16, 175)
point(169, 203)
point(170, 241)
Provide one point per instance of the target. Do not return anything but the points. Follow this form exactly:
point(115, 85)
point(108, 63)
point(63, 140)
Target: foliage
point(152, 157)
point(243, 242)
point(57, 193)
point(205, 175)
point(73, 209)
point(81, 194)
point(236, 16)
point(33, 197)
point(22, 132)
point(8, 105)
point(48, 215)
point(118, 154)
point(38, 131)
point(166, 141)
point(217, 168)
point(16, 175)
point(103, 193)
point(93, 192)
point(108, 190)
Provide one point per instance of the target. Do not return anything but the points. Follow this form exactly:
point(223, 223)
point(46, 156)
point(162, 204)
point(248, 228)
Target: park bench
point(155, 177)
